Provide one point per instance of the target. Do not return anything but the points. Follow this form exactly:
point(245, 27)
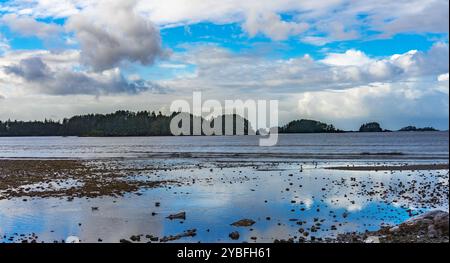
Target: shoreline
point(388, 156)
point(223, 135)
point(407, 167)
point(104, 177)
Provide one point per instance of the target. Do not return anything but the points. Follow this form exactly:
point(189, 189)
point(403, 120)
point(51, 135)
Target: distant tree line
point(414, 128)
point(120, 123)
point(376, 127)
point(145, 123)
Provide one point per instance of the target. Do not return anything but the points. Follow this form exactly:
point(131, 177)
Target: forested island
point(371, 127)
point(414, 128)
point(145, 123)
point(307, 126)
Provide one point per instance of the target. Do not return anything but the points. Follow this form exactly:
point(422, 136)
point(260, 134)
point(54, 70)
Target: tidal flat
point(216, 200)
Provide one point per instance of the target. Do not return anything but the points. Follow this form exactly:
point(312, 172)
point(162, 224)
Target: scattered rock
point(429, 227)
point(394, 229)
point(135, 238)
point(181, 215)
point(290, 240)
point(188, 233)
point(244, 223)
point(234, 235)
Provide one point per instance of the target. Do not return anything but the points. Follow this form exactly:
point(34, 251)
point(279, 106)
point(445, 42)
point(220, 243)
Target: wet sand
point(70, 178)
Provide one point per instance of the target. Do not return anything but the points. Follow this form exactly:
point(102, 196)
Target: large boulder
point(435, 222)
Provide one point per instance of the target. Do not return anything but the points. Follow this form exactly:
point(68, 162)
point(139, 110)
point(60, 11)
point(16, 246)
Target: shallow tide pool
point(299, 200)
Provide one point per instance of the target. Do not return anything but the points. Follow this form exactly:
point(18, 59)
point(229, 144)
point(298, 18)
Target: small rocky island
point(371, 127)
point(414, 128)
point(307, 126)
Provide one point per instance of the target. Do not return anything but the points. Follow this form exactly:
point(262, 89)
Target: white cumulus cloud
point(112, 32)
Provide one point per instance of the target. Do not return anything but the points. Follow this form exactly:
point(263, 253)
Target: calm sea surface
point(401, 145)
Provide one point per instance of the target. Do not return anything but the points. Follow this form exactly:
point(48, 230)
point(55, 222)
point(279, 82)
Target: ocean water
point(399, 145)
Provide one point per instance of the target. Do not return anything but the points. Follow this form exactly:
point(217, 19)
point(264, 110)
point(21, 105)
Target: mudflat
point(69, 178)
point(196, 200)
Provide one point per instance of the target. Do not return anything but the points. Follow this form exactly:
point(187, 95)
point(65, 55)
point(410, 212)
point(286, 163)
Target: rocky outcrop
point(431, 227)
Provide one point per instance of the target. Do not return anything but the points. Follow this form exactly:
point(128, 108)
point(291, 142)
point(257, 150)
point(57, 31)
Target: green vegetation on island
point(370, 127)
point(307, 126)
point(120, 123)
point(145, 123)
point(414, 128)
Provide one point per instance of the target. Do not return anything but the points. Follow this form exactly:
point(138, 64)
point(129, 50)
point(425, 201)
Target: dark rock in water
point(157, 204)
point(181, 215)
point(234, 235)
point(244, 222)
point(152, 238)
point(135, 238)
point(125, 241)
point(290, 240)
point(188, 233)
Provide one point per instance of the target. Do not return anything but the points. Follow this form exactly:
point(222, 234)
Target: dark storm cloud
point(31, 69)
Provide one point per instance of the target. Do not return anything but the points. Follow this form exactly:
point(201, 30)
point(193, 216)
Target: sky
point(339, 61)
